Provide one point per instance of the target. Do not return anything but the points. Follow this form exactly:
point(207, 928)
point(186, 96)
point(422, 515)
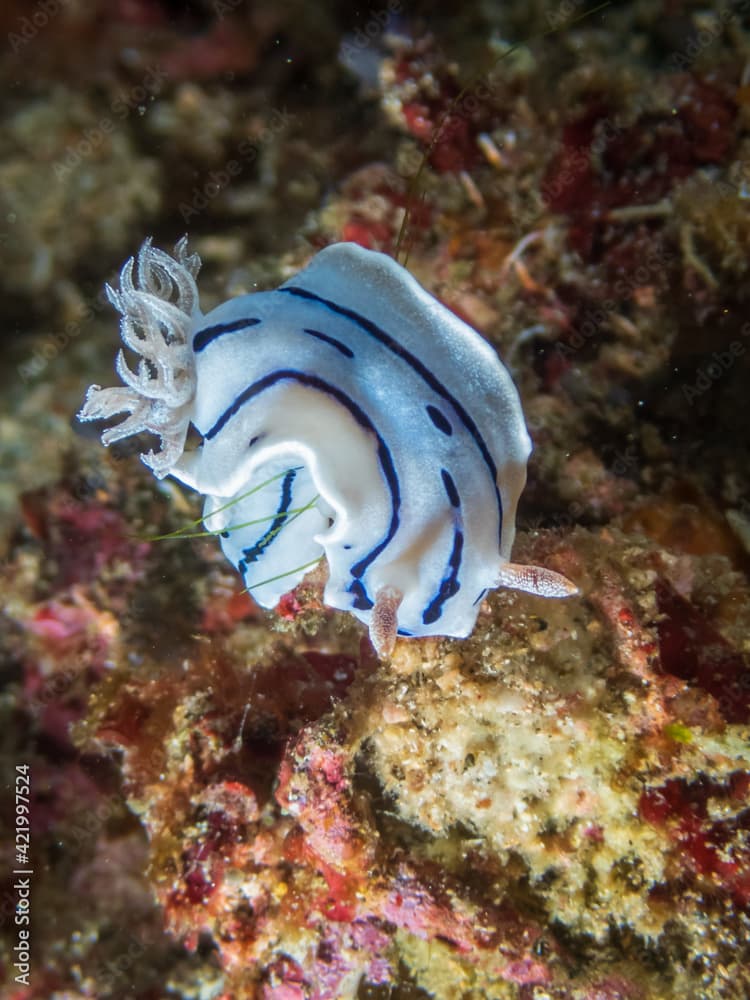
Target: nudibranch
point(346, 414)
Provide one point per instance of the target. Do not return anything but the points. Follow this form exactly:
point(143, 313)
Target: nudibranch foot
point(347, 415)
point(535, 580)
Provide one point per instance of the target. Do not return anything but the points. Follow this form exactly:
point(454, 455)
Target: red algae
point(604, 165)
point(427, 97)
point(717, 851)
point(693, 649)
point(81, 536)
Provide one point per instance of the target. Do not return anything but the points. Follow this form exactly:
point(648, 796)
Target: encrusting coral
point(474, 811)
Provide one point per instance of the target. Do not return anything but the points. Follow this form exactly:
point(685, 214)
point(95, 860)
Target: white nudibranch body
point(347, 414)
